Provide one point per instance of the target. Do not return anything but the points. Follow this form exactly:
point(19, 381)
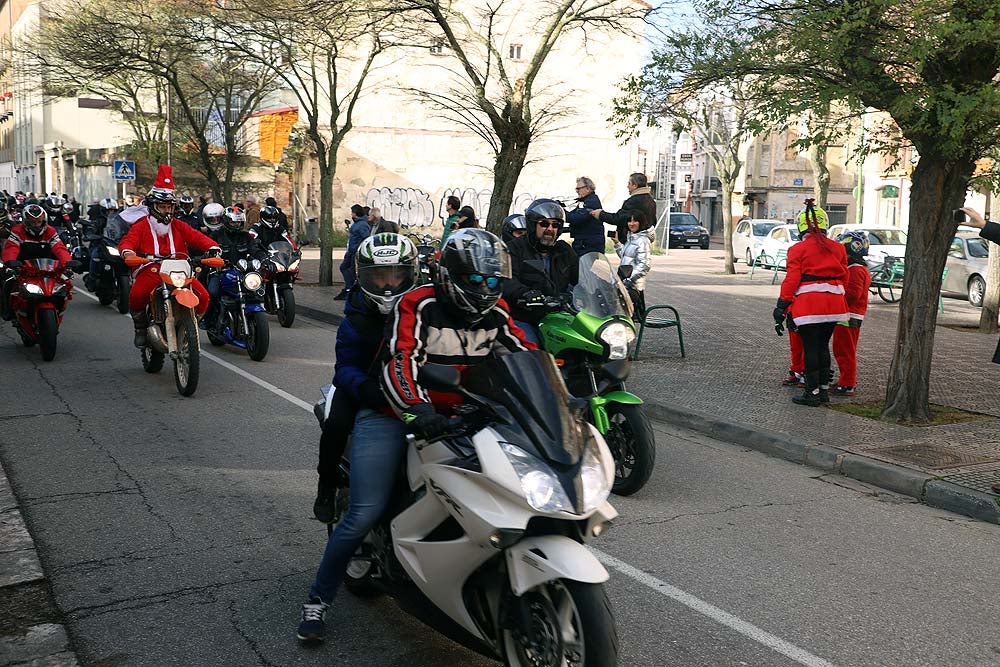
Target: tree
point(323, 52)
point(501, 103)
point(932, 65)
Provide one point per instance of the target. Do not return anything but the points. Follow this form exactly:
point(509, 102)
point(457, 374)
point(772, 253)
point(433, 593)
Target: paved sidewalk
point(729, 385)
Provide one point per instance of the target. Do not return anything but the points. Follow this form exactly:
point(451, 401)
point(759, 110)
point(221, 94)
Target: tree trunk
point(327, 170)
point(991, 300)
point(227, 184)
point(821, 173)
point(506, 170)
point(939, 186)
point(727, 227)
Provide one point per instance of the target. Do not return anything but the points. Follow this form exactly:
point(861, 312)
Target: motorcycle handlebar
point(134, 260)
point(213, 262)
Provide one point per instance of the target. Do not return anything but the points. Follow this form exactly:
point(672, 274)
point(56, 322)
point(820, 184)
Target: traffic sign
point(124, 170)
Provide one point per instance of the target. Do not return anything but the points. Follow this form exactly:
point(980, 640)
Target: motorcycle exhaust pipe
point(155, 338)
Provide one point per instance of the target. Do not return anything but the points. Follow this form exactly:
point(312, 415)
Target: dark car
point(687, 232)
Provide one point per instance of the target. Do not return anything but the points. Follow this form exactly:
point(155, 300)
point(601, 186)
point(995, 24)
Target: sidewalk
point(729, 385)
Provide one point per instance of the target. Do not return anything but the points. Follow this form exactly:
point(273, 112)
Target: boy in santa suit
point(159, 234)
point(845, 335)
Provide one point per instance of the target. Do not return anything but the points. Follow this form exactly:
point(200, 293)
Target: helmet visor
point(386, 280)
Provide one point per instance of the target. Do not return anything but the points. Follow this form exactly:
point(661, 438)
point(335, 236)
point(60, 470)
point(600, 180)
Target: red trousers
point(147, 281)
point(798, 354)
point(845, 351)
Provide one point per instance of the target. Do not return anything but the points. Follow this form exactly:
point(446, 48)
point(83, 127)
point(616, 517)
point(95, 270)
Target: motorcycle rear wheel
point(286, 308)
point(152, 361)
point(188, 360)
point(48, 330)
point(592, 639)
point(124, 289)
point(630, 438)
point(258, 336)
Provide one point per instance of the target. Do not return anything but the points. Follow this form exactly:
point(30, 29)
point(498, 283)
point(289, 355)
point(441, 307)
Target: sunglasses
point(547, 223)
point(477, 279)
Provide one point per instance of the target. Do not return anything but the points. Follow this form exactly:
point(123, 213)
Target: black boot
point(141, 323)
point(811, 395)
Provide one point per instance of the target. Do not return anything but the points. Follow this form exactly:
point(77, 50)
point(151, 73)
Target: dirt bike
point(38, 295)
point(173, 321)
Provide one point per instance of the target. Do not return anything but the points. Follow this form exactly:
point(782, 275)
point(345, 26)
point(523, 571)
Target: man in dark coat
point(640, 199)
point(587, 232)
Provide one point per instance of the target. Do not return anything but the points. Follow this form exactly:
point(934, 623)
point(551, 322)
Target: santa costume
point(157, 233)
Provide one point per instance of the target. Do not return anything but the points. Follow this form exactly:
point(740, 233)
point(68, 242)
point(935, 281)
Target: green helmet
point(387, 269)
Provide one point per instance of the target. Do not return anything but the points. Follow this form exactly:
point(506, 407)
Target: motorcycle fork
point(168, 324)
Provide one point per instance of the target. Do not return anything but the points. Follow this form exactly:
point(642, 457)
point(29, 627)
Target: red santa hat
point(164, 178)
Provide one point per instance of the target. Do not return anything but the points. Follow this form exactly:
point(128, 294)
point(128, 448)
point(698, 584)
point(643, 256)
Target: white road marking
point(720, 616)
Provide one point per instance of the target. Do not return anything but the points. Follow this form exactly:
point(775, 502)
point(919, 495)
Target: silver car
point(967, 259)
point(748, 237)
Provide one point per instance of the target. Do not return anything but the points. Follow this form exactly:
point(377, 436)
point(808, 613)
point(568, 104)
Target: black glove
point(14, 264)
point(423, 421)
point(531, 298)
point(371, 394)
point(74, 265)
point(778, 314)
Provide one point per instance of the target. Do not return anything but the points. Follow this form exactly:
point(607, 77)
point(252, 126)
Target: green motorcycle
point(586, 331)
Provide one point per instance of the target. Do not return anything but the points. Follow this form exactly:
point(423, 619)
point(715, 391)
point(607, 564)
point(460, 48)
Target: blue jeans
point(530, 331)
point(347, 270)
point(378, 448)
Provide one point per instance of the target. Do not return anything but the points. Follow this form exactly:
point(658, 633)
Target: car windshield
point(762, 228)
point(793, 234)
point(600, 293)
point(678, 219)
point(886, 237)
point(978, 248)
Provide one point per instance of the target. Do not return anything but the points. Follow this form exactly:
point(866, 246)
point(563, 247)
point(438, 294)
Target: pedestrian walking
point(586, 230)
point(846, 334)
point(813, 292)
point(635, 262)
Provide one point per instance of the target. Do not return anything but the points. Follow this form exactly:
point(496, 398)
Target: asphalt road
point(177, 531)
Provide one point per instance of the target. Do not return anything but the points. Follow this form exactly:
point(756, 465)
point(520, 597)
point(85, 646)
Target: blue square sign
point(124, 170)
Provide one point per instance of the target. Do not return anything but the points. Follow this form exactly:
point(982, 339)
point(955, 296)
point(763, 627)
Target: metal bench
point(659, 322)
point(887, 279)
point(776, 262)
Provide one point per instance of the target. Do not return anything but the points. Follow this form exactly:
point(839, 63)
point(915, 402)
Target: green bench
point(662, 321)
point(776, 262)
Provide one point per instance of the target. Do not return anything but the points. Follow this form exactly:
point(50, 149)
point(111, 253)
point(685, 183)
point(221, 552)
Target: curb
point(320, 315)
point(25, 640)
point(924, 487)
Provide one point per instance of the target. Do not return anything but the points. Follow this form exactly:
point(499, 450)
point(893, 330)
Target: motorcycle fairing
point(536, 560)
point(186, 297)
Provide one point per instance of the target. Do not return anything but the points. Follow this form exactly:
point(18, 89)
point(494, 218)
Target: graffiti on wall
point(410, 207)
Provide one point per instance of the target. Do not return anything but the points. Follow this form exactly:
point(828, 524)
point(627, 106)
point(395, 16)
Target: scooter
point(39, 293)
point(587, 330)
point(493, 520)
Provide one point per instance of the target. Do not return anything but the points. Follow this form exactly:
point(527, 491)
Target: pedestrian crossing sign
point(124, 170)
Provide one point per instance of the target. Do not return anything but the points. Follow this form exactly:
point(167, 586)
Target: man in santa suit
point(159, 234)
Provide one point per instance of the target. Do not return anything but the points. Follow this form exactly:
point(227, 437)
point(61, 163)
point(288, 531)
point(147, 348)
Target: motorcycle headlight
point(31, 288)
point(294, 265)
point(178, 278)
point(113, 251)
point(596, 478)
point(617, 336)
point(252, 281)
point(541, 487)
point(255, 264)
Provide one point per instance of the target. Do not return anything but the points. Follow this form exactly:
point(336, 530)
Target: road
point(177, 531)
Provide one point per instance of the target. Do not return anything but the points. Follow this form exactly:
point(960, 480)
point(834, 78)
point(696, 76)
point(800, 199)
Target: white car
point(883, 241)
point(781, 237)
point(749, 235)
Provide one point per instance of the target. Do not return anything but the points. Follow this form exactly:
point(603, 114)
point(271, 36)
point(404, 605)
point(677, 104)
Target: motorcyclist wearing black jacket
point(236, 244)
point(269, 229)
point(541, 265)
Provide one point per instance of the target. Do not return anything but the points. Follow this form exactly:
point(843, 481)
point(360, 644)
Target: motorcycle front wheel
point(106, 296)
point(286, 308)
point(258, 336)
point(124, 289)
point(48, 330)
point(187, 362)
point(630, 438)
point(565, 623)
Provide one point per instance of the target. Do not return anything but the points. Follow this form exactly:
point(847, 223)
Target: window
point(437, 48)
point(978, 249)
point(742, 229)
point(515, 51)
point(779, 235)
point(762, 228)
point(956, 249)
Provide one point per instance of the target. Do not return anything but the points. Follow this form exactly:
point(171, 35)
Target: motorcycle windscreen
point(49, 265)
point(281, 251)
point(530, 389)
point(599, 292)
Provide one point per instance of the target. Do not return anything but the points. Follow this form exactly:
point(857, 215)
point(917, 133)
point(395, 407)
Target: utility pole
point(170, 134)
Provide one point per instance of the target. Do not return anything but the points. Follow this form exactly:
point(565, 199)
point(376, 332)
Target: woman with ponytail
point(812, 295)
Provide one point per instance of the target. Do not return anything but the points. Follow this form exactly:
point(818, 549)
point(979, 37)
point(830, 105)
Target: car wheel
point(749, 258)
point(977, 290)
point(705, 245)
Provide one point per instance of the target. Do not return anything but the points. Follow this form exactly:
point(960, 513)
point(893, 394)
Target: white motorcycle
point(491, 522)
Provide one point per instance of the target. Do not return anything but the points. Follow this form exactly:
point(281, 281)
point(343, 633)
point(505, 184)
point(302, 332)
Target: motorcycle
point(173, 322)
point(491, 520)
point(39, 293)
point(242, 318)
point(110, 280)
point(427, 255)
point(71, 234)
point(278, 279)
point(586, 331)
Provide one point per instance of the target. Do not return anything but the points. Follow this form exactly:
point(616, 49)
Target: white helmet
point(211, 215)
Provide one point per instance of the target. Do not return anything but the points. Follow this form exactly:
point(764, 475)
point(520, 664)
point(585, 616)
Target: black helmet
point(544, 211)
point(474, 264)
point(269, 216)
point(187, 204)
point(53, 204)
point(511, 225)
point(233, 219)
point(34, 219)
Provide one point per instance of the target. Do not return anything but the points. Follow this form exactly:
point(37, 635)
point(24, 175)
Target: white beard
point(160, 228)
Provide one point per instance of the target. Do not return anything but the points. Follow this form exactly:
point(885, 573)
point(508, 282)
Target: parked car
point(687, 232)
point(749, 235)
point(781, 237)
point(967, 260)
point(884, 241)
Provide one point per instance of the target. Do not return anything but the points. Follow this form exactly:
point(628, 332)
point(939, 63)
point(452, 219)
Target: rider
point(387, 267)
point(188, 215)
point(5, 223)
point(513, 227)
point(269, 228)
point(211, 217)
point(542, 265)
point(32, 238)
point(155, 235)
point(460, 319)
point(236, 244)
point(53, 208)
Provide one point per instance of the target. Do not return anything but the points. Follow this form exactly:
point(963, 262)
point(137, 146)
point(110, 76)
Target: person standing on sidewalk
point(635, 253)
point(587, 233)
point(640, 198)
point(360, 230)
point(813, 290)
point(845, 335)
point(451, 206)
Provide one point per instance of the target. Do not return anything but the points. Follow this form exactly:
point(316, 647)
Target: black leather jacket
point(528, 270)
point(237, 245)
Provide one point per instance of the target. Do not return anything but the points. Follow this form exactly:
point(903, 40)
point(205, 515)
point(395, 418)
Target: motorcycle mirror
point(437, 377)
point(617, 370)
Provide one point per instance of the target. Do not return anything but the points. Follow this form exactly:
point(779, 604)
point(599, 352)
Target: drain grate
point(980, 480)
point(932, 457)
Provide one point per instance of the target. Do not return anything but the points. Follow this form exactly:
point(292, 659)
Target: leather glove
point(532, 297)
point(14, 264)
point(74, 266)
point(371, 394)
point(423, 421)
point(778, 314)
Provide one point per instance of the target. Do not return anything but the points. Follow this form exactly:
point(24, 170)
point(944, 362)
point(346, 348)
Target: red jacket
point(859, 279)
point(815, 276)
point(22, 245)
point(141, 239)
